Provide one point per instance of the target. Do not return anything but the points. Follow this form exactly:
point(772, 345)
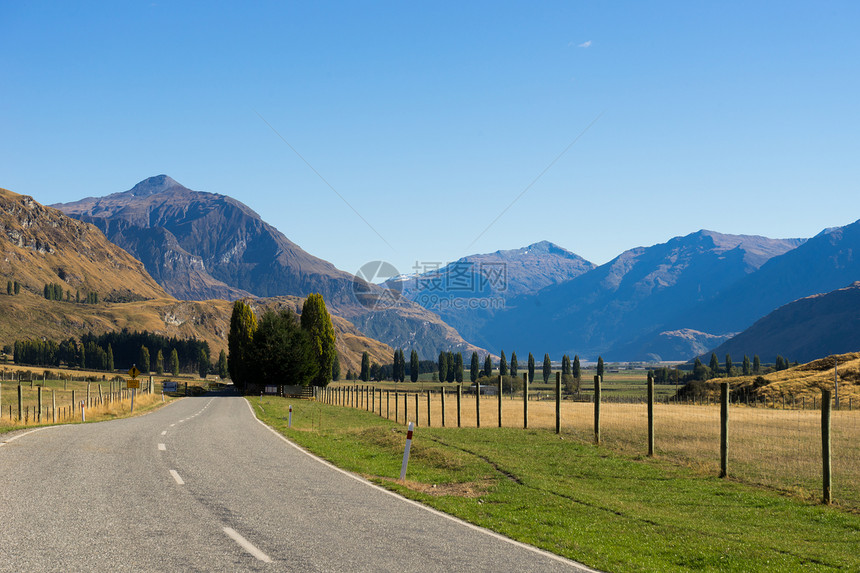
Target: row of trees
point(118, 350)
point(54, 291)
point(13, 288)
point(281, 349)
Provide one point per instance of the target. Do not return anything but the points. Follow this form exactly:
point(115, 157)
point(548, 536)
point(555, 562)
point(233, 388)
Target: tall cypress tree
point(728, 365)
point(143, 360)
point(488, 366)
point(756, 364)
point(714, 364)
point(451, 376)
point(202, 364)
point(474, 367)
point(575, 369)
point(458, 367)
point(443, 366)
point(223, 371)
point(365, 367)
point(531, 367)
point(413, 366)
point(243, 324)
point(514, 364)
point(174, 362)
point(547, 368)
point(159, 363)
point(316, 321)
point(747, 368)
point(565, 365)
point(600, 367)
point(335, 368)
point(110, 367)
point(503, 365)
point(395, 366)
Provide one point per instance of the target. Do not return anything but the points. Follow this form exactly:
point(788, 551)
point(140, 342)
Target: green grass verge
point(586, 503)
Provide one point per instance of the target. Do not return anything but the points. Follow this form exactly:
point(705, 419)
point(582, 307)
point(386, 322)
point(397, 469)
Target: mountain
point(467, 292)
point(602, 311)
point(202, 245)
point(40, 245)
point(804, 330)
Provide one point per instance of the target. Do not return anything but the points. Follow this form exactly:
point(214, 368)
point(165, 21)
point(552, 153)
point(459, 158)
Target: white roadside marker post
point(406, 452)
point(83, 412)
point(290, 422)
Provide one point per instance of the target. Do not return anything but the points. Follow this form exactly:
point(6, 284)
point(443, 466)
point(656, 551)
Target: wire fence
point(773, 444)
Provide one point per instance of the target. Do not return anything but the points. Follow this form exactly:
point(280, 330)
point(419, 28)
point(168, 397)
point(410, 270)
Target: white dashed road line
point(162, 447)
point(247, 545)
point(177, 477)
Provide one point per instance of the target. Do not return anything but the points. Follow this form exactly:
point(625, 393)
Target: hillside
point(40, 245)
point(803, 330)
point(468, 292)
point(604, 310)
point(200, 245)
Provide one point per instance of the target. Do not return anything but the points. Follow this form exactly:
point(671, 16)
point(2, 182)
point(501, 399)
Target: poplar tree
point(413, 365)
point(488, 366)
point(451, 367)
point(575, 369)
point(365, 367)
point(243, 324)
point(335, 368)
point(223, 371)
point(474, 367)
point(547, 368)
point(143, 360)
point(316, 321)
point(728, 365)
point(159, 362)
point(458, 367)
point(714, 365)
point(600, 367)
point(565, 365)
point(514, 364)
point(756, 364)
point(110, 358)
point(203, 364)
point(174, 362)
point(531, 367)
point(503, 365)
point(443, 366)
point(746, 365)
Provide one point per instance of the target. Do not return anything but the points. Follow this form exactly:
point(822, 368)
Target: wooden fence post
point(459, 400)
point(558, 402)
point(396, 406)
point(724, 429)
point(39, 415)
point(500, 400)
point(650, 414)
point(597, 410)
point(405, 408)
point(429, 423)
point(20, 403)
point(53, 406)
point(525, 400)
point(73, 403)
point(825, 446)
point(373, 400)
point(442, 393)
point(417, 408)
point(478, 403)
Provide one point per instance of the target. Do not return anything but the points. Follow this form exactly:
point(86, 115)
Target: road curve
point(202, 485)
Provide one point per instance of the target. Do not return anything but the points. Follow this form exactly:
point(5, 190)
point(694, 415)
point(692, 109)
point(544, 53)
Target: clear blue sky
point(430, 119)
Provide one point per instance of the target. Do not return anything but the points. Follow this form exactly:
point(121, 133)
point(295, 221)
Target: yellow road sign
point(133, 383)
point(133, 372)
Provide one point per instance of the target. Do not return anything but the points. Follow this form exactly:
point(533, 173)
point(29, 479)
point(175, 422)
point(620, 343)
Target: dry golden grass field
point(772, 447)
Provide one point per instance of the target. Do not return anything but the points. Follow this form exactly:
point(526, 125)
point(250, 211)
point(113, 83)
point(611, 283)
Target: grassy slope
point(609, 511)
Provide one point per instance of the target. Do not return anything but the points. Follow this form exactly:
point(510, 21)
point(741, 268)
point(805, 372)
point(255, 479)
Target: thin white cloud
point(584, 44)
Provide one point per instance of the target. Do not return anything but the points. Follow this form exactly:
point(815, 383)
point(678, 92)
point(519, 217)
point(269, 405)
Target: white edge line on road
point(177, 477)
point(483, 530)
point(164, 433)
point(247, 545)
point(13, 438)
point(162, 447)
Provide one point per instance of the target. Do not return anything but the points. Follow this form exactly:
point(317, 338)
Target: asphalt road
point(201, 485)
